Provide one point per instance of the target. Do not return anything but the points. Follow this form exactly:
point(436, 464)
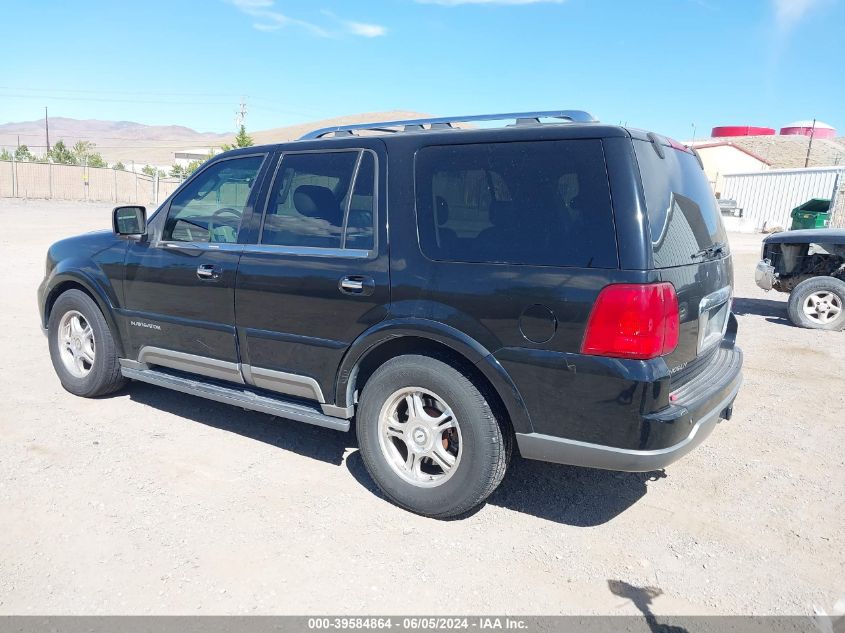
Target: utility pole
point(810, 146)
point(240, 114)
point(47, 128)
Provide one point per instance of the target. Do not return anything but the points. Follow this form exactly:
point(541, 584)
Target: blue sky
point(657, 64)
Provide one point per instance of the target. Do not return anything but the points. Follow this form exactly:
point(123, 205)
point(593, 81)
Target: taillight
point(637, 321)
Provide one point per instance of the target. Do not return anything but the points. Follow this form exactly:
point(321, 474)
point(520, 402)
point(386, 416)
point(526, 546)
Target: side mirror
point(130, 220)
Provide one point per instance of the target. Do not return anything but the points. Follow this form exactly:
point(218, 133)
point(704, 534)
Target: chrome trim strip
point(284, 382)
point(223, 247)
point(707, 303)
point(344, 413)
point(191, 363)
point(714, 299)
point(314, 251)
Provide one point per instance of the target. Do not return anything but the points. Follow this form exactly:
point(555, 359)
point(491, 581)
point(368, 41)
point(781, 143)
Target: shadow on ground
point(579, 497)
point(642, 597)
point(774, 311)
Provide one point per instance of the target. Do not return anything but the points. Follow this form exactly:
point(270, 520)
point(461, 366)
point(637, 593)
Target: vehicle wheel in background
point(81, 346)
point(818, 303)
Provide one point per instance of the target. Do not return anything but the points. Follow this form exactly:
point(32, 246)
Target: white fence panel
point(77, 182)
point(768, 197)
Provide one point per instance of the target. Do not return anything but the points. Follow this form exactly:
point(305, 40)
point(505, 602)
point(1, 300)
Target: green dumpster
point(813, 214)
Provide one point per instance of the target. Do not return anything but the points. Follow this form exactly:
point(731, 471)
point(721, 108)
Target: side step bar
point(239, 397)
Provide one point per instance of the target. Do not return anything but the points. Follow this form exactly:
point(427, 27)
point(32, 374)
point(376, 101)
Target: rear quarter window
point(544, 203)
point(683, 215)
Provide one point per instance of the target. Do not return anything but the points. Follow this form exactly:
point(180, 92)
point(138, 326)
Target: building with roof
point(726, 157)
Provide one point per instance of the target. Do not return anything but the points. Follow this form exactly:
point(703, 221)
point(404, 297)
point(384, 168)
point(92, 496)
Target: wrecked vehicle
point(810, 265)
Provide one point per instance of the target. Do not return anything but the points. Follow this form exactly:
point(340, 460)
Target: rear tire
point(82, 348)
point(818, 303)
point(423, 411)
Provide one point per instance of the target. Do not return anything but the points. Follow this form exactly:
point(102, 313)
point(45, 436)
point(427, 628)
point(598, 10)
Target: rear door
point(318, 276)
point(690, 248)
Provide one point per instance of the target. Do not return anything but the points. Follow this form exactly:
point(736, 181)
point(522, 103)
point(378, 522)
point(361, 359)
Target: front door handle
point(208, 272)
point(357, 285)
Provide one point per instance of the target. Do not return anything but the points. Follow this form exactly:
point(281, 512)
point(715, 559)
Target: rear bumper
point(698, 406)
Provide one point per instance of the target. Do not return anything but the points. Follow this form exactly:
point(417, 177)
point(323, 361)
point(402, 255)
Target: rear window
point(683, 214)
point(543, 203)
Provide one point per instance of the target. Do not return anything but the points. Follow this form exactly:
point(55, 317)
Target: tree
point(183, 171)
point(241, 140)
point(23, 154)
point(149, 170)
point(177, 171)
point(194, 165)
point(60, 154)
point(5, 155)
point(119, 166)
point(84, 154)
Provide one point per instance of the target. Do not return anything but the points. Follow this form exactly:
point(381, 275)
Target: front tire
point(818, 303)
point(82, 348)
point(429, 438)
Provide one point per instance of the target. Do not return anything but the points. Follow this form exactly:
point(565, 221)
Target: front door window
point(210, 207)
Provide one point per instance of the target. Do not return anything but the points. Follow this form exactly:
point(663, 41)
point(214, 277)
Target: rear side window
point(544, 203)
point(322, 200)
point(683, 214)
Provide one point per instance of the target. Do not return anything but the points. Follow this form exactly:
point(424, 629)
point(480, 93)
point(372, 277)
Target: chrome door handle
point(208, 271)
point(352, 285)
point(357, 285)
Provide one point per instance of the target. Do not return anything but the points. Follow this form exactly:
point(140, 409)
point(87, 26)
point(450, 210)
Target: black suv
point(555, 282)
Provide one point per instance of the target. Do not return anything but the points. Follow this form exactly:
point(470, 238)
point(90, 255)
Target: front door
point(318, 276)
point(180, 281)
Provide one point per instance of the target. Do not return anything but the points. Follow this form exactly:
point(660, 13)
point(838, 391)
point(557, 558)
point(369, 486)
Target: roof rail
point(411, 125)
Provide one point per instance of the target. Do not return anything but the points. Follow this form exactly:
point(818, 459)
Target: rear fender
point(432, 331)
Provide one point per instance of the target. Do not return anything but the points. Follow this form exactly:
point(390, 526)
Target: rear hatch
point(690, 250)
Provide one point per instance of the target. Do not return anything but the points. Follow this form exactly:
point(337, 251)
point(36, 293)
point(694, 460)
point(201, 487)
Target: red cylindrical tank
point(741, 130)
point(805, 128)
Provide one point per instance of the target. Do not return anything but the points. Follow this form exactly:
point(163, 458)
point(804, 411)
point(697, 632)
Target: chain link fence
point(80, 182)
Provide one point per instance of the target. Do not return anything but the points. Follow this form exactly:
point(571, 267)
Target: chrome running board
point(237, 395)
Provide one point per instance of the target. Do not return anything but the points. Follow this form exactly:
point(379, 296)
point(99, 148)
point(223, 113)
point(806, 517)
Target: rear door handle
point(357, 285)
point(208, 272)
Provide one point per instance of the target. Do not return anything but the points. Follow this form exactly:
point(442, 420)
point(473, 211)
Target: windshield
point(684, 218)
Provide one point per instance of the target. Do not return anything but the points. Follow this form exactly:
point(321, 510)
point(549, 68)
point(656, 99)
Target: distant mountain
point(155, 144)
point(115, 140)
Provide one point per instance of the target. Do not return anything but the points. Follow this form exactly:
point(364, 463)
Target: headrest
point(314, 201)
point(442, 211)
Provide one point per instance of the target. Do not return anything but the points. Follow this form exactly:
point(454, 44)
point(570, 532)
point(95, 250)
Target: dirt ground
point(155, 502)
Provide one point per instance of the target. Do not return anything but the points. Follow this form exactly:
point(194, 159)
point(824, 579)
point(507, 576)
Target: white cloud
point(455, 3)
point(365, 30)
point(789, 12)
point(267, 18)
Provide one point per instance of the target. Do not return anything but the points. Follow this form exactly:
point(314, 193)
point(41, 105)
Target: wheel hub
point(76, 344)
point(420, 437)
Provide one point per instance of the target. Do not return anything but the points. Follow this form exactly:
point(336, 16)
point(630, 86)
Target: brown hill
point(155, 144)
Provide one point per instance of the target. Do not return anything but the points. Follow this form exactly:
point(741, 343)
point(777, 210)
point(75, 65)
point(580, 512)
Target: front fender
point(437, 332)
point(80, 273)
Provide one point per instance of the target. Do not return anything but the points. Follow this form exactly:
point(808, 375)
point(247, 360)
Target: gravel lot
point(155, 502)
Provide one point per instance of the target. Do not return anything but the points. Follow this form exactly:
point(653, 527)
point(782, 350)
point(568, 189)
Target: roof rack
point(445, 123)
